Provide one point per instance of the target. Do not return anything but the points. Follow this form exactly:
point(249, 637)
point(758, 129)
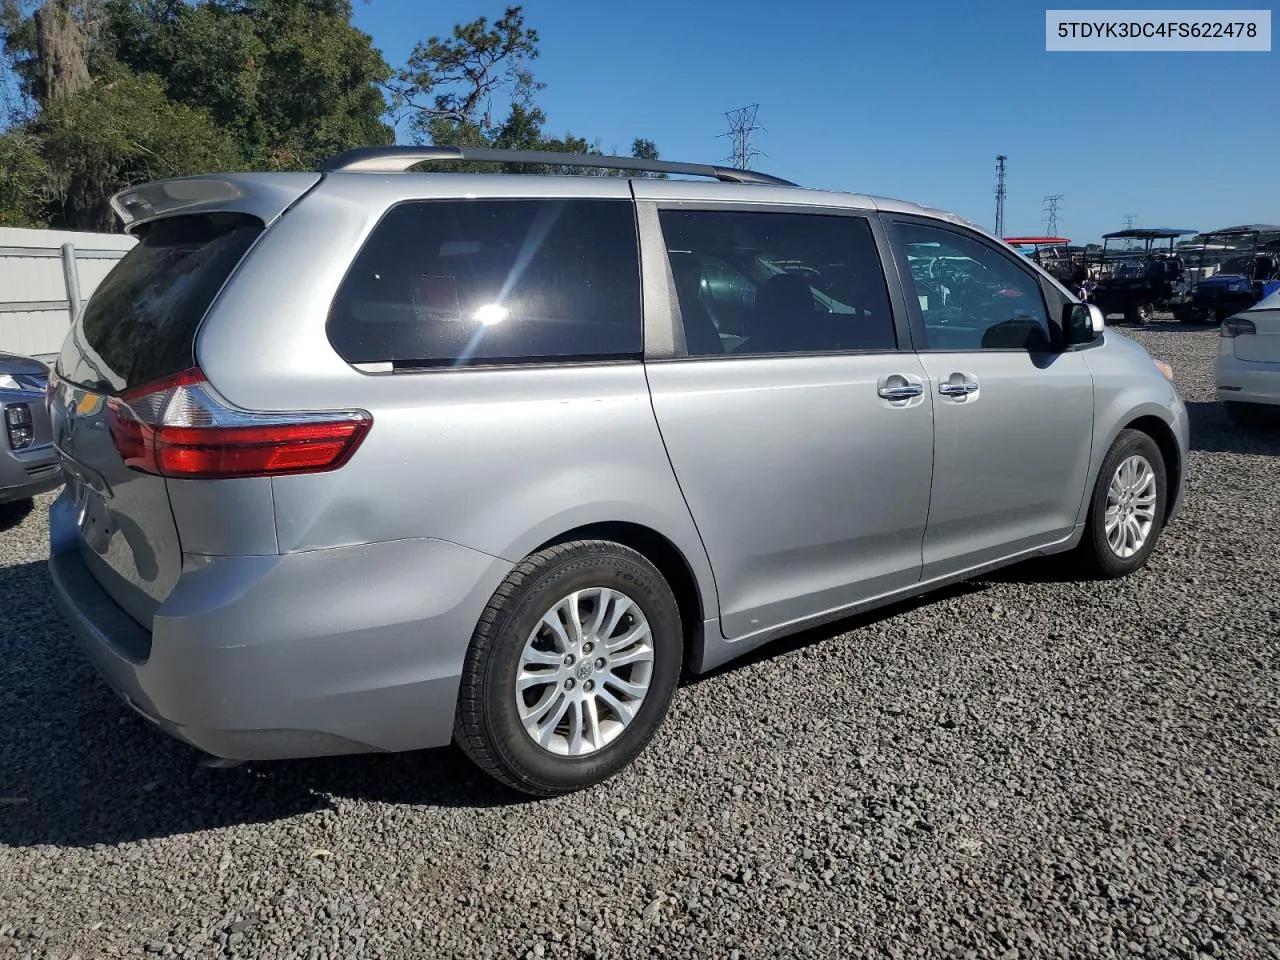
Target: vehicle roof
point(1243, 229)
point(13, 363)
point(143, 202)
point(1036, 240)
point(1143, 233)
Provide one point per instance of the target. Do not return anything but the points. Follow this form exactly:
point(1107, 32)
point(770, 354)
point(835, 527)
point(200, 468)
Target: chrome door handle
point(958, 389)
point(903, 391)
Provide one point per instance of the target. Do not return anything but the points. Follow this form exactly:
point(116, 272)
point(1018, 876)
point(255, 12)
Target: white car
point(1248, 367)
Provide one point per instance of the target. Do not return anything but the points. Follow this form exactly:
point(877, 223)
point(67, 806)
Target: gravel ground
point(1019, 767)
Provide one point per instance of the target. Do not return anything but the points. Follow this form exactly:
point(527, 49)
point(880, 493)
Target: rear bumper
point(349, 650)
point(1247, 381)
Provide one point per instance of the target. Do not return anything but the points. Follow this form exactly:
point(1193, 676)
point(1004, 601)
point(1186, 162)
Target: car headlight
point(1163, 368)
point(8, 382)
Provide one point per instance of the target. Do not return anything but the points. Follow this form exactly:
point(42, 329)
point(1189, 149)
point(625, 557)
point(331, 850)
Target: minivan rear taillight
point(178, 427)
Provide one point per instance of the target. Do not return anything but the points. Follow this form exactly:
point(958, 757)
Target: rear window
point(140, 324)
point(464, 282)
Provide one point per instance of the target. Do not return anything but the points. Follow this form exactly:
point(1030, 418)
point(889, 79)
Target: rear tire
point(1127, 508)
point(591, 697)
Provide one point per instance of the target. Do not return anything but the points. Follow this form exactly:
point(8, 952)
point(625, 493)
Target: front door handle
point(902, 391)
point(949, 389)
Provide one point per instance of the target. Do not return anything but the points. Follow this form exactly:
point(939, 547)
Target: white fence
point(44, 274)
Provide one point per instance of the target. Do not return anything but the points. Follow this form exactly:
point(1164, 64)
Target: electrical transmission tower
point(1000, 160)
point(1051, 213)
point(742, 124)
point(1128, 225)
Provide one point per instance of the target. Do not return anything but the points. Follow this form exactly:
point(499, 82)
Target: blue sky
point(910, 100)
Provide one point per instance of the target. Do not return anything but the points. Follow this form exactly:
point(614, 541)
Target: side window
point(751, 283)
point(464, 282)
point(972, 297)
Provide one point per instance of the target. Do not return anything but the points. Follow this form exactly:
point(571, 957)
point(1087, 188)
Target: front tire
point(571, 668)
point(1127, 509)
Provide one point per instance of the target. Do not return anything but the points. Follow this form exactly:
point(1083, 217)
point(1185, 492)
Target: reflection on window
point(458, 282)
point(971, 296)
point(752, 283)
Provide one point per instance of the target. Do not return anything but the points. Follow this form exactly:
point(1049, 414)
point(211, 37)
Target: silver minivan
point(370, 459)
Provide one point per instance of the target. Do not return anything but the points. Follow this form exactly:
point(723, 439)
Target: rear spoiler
point(263, 195)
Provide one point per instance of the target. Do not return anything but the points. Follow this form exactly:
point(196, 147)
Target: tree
point(448, 88)
point(118, 132)
point(448, 81)
point(119, 91)
point(23, 179)
point(292, 80)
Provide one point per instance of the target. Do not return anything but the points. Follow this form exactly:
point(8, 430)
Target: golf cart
point(1056, 255)
point(1230, 270)
point(1136, 282)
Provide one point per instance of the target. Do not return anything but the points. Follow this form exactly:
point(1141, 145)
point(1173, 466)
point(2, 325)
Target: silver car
point(370, 459)
point(28, 460)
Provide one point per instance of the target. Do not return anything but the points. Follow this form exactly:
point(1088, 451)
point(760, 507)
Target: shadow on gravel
point(1212, 431)
point(1168, 326)
point(78, 768)
point(12, 514)
point(787, 645)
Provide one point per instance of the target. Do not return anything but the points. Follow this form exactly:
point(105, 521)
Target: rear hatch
point(1257, 335)
point(139, 327)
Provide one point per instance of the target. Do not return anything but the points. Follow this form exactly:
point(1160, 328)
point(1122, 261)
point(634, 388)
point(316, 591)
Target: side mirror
point(1082, 323)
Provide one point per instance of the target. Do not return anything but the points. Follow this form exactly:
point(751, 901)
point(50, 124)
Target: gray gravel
point(1018, 767)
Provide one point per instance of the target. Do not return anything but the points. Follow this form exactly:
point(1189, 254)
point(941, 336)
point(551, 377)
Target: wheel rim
point(584, 672)
point(1131, 506)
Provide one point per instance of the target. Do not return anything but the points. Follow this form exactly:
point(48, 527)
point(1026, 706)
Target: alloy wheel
point(584, 672)
point(1131, 506)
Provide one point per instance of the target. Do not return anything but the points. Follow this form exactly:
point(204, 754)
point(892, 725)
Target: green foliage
point(120, 91)
point(292, 81)
point(448, 89)
point(23, 175)
point(119, 132)
point(450, 80)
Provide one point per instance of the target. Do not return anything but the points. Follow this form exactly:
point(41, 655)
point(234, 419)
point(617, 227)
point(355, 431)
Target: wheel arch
point(1160, 432)
point(671, 562)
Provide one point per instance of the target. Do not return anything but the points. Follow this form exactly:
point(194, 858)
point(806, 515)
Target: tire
point(1138, 314)
point(489, 726)
point(1096, 554)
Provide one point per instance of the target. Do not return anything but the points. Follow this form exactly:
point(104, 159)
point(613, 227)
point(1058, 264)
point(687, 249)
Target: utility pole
point(1000, 161)
point(742, 124)
point(1051, 213)
point(1128, 225)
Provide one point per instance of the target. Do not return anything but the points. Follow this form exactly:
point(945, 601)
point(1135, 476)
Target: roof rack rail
point(399, 159)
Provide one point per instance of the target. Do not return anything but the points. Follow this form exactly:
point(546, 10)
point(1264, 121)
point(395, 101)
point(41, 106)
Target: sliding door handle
point(902, 391)
point(949, 389)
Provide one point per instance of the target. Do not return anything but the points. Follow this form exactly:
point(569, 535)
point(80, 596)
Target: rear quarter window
point(141, 322)
point(468, 282)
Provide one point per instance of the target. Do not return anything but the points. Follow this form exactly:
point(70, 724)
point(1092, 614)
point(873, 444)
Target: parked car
point(28, 462)
point(372, 460)
point(1247, 370)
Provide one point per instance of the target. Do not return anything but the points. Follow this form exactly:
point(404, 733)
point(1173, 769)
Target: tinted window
point(455, 282)
point(971, 296)
point(140, 324)
point(777, 282)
